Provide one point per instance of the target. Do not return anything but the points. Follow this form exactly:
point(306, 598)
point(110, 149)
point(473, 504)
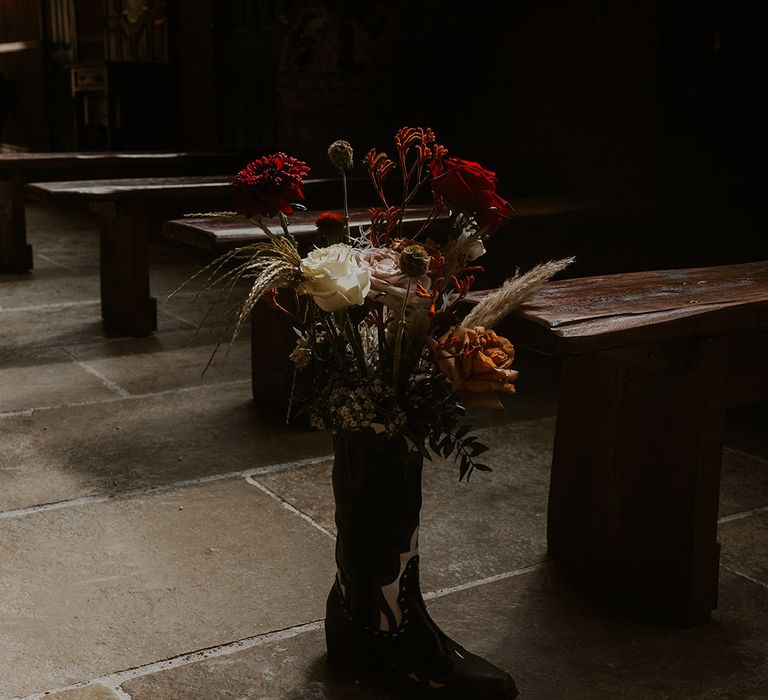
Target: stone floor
point(158, 542)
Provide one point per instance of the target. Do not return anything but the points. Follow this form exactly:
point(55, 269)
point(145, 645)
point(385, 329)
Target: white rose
point(333, 278)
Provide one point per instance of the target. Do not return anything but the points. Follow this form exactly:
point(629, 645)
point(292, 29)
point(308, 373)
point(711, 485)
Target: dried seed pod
point(341, 155)
point(414, 261)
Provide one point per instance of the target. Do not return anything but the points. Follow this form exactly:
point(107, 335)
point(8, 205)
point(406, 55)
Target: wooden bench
point(132, 211)
point(650, 362)
point(16, 169)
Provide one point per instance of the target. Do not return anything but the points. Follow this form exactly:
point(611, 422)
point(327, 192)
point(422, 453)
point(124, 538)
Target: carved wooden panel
point(136, 30)
point(61, 29)
point(249, 37)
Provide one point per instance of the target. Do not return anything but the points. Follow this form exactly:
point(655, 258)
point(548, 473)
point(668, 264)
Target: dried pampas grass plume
point(516, 290)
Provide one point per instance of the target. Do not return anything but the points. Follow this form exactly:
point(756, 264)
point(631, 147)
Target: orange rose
point(476, 361)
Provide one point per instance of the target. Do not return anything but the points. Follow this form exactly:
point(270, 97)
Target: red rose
point(268, 185)
point(456, 180)
point(468, 186)
point(491, 211)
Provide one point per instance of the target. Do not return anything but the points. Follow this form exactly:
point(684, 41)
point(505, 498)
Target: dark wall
point(643, 97)
point(555, 94)
point(195, 61)
point(22, 63)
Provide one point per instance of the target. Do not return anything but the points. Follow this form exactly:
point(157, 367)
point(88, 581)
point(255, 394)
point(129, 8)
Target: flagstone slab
point(45, 377)
point(47, 283)
point(62, 326)
point(124, 444)
point(166, 361)
point(548, 629)
point(90, 590)
point(744, 545)
point(61, 226)
point(171, 267)
point(493, 524)
point(195, 310)
point(743, 482)
point(95, 691)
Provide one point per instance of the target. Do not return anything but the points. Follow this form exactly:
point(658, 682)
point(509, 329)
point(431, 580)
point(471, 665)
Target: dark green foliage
point(434, 411)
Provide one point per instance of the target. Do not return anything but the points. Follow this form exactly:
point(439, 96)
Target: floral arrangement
point(380, 339)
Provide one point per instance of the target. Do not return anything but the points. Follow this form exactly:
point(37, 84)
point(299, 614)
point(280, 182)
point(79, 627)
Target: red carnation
point(467, 185)
point(330, 219)
point(268, 185)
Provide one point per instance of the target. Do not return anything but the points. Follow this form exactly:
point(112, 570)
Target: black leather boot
point(376, 619)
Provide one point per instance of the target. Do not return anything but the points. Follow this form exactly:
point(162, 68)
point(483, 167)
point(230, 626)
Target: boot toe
point(474, 677)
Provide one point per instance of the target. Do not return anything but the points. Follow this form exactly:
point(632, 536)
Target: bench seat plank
point(130, 189)
point(222, 233)
point(148, 188)
point(597, 313)
point(63, 159)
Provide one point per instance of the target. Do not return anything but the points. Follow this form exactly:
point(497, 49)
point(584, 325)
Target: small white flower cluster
point(348, 408)
point(370, 341)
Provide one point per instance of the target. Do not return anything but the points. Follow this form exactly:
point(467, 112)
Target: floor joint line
point(749, 578)
point(290, 508)
point(177, 317)
point(131, 397)
point(163, 488)
point(53, 261)
point(106, 381)
point(46, 307)
point(440, 592)
point(116, 680)
point(742, 514)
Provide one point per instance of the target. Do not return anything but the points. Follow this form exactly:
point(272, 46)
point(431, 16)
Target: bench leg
point(272, 341)
point(15, 252)
point(126, 305)
point(636, 474)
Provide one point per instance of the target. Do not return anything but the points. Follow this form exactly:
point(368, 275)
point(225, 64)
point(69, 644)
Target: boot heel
point(345, 651)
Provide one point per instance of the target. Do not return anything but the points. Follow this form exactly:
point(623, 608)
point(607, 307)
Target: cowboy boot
point(376, 618)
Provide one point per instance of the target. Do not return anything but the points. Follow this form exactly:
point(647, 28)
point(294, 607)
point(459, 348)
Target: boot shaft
point(377, 488)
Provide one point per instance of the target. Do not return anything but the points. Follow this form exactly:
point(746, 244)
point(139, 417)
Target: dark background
point(650, 99)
